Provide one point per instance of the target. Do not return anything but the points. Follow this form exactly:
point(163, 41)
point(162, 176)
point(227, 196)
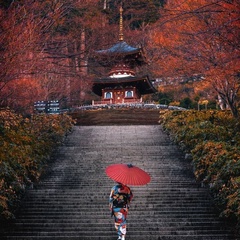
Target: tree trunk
point(234, 110)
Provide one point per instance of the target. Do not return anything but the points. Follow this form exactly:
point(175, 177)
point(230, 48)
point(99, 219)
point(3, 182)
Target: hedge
point(25, 146)
point(213, 139)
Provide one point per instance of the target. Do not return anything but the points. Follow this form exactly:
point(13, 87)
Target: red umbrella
point(127, 174)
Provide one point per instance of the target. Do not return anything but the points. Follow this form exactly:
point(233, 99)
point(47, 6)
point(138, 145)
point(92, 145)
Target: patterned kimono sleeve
point(111, 196)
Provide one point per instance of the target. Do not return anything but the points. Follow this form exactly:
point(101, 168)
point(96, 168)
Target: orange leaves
point(213, 139)
point(19, 40)
point(22, 93)
point(200, 37)
point(25, 29)
point(199, 32)
point(25, 146)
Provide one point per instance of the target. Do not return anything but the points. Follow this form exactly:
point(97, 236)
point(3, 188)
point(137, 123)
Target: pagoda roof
point(120, 48)
point(143, 84)
point(121, 52)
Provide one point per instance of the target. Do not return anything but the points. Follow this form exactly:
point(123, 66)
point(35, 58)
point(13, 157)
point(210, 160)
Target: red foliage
point(200, 37)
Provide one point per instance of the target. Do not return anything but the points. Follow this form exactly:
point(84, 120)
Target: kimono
point(119, 200)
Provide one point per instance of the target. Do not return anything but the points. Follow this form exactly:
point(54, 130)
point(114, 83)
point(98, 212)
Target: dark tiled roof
point(143, 84)
point(120, 47)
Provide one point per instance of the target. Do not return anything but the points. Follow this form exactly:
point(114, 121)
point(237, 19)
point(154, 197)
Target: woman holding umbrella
point(121, 195)
point(119, 200)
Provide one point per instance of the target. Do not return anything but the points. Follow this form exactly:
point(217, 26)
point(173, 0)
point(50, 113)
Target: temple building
point(122, 84)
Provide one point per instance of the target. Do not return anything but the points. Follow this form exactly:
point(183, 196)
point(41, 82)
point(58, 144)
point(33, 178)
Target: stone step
point(72, 223)
point(89, 209)
point(105, 219)
point(151, 200)
point(133, 237)
point(153, 203)
point(89, 216)
point(100, 232)
point(147, 193)
point(141, 222)
point(106, 227)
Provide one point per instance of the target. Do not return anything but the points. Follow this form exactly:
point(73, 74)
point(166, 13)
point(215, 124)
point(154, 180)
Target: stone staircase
point(71, 201)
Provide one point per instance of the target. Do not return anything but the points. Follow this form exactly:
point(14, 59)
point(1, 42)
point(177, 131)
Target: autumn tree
point(44, 43)
point(16, 46)
point(200, 38)
point(25, 28)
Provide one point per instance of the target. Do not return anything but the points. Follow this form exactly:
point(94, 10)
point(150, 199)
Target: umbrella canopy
point(127, 174)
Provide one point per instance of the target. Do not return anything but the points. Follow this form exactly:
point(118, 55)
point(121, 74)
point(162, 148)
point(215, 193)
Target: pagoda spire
point(121, 24)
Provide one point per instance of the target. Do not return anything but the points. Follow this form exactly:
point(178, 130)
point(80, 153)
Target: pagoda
point(123, 84)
